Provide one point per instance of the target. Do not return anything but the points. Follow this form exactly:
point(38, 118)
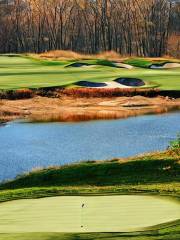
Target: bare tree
point(136, 27)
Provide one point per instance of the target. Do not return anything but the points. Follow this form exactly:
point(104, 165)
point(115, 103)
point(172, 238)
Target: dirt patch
point(131, 82)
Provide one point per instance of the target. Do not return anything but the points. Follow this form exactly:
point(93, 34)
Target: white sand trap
point(126, 213)
point(115, 85)
point(90, 66)
point(123, 65)
point(130, 82)
point(165, 66)
point(111, 84)
point(91, 84)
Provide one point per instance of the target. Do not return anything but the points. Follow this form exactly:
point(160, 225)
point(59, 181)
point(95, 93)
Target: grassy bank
point(19, 72)
point(156, 169)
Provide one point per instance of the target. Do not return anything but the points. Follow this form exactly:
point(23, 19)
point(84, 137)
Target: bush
point(16, 94)
point(175, 145)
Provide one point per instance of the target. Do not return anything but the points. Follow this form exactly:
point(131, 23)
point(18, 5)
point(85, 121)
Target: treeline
point(130, 27)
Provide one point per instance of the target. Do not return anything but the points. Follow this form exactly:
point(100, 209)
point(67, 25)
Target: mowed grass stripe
point(123, 213)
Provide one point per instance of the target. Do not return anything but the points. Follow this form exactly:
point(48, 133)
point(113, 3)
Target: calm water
point(24, 146)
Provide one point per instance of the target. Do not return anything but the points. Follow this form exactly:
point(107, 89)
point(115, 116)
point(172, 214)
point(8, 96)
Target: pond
point(24, 146)
point(125, 213)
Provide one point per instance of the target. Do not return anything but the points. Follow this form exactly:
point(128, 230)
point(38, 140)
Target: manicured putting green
point(123, 213)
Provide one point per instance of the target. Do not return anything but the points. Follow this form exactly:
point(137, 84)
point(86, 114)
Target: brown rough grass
point(88, 115)
point(78, 92)
point(65, 55)
point(109, 92)
point(107, 55)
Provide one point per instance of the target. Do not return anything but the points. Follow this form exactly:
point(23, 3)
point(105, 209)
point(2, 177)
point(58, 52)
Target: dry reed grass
point(61, 54)
point(109, 92)
point(78, 92)
point(6, 116)
point(66, 55)
point(107, 55)
point(69, 116)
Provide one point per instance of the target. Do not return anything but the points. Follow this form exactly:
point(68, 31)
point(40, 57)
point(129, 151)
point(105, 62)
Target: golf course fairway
point(18, 72)
point(123, 213)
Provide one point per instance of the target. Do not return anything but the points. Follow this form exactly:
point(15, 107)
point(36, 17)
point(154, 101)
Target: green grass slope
point(17, 72)
point(153, 168)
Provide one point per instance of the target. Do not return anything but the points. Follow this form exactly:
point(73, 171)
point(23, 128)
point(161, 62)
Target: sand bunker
point(165, 66)
point(118, 83)
point(90, 84)
point(122, 65)
point(79, 64)
point(113, 84)
point(130, 82)
point(110, 84)
point(115, 64)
